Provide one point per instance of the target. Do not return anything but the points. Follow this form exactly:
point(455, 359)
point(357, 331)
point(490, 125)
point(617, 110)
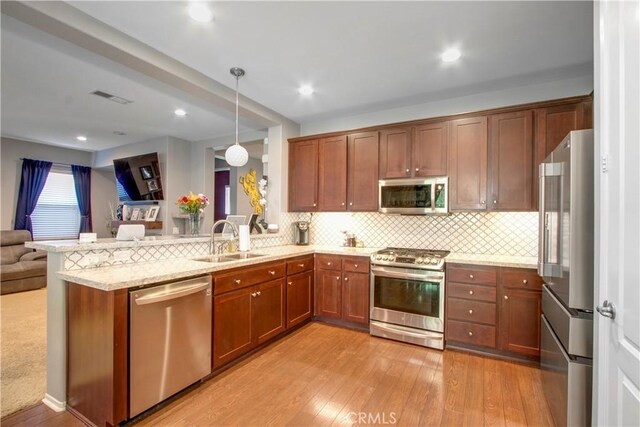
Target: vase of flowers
point(193, 205)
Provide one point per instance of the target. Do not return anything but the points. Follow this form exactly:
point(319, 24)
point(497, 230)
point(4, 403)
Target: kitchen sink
point(215, 258)
point(243, 255)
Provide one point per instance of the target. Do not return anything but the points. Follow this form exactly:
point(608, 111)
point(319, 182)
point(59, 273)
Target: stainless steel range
point(407, 295)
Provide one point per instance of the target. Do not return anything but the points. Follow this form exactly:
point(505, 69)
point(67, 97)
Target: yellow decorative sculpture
point(248, 182)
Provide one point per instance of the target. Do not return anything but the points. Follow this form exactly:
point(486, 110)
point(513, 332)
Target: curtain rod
point(54, 163)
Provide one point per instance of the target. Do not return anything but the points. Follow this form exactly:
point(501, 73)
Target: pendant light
point(236, 155)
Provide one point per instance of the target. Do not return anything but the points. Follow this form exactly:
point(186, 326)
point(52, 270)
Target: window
point(56, 215)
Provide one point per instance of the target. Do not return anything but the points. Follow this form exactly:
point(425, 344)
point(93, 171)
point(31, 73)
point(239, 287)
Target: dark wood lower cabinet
point(299, 298)
point(329, 293)
point(355, 297)
point(97, 330)
point(520, 321)
point(246, 318)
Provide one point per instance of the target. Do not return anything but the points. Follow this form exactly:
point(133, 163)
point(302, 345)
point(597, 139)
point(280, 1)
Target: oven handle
point(387, 272)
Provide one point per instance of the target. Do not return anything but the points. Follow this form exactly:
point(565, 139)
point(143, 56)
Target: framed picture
point(253, 224)
point(152, 185)
point(152, 213)
point(135, 214)
point(237, 220)
point(146, 172)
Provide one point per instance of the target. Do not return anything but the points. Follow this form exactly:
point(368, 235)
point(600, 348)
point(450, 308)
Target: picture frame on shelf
point(152, 185)
point(146, 172)
point(253, 224)
point(135, 214)
point(152, 213)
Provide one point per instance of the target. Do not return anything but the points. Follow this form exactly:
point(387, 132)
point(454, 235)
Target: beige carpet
point(23, 349)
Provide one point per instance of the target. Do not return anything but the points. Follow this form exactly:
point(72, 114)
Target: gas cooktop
point(426, 259)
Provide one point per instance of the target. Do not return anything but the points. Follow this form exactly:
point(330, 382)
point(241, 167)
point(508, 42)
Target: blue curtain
point(34, 176)
point(82, 183)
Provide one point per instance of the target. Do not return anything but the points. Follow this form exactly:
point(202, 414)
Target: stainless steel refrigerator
point(565, 262)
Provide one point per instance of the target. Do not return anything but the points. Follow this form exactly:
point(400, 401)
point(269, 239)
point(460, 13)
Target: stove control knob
point(390, 258)
point(419, 260)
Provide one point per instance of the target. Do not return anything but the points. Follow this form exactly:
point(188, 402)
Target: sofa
point(21, 269)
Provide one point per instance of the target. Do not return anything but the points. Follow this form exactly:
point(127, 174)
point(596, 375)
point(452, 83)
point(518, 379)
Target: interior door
point(617, 108)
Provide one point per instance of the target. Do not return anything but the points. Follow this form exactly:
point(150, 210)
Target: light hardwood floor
point(325, 375)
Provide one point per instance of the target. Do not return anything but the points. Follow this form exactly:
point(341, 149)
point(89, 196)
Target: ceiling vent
point(110, 97)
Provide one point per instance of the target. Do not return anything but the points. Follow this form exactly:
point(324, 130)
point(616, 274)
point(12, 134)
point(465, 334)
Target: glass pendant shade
point(236, 155)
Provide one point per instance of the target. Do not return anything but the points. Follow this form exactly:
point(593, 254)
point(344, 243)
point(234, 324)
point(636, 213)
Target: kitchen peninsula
point(72, 267)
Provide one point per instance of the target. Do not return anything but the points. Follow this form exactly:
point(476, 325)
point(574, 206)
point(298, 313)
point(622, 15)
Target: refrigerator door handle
point(545, 267)
point(542, 227)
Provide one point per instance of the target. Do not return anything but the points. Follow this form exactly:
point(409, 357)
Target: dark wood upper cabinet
point(362, 182)
point(395, 153)
point(429, 150)
point(303, 176)
point(332, 174)
point(468, 164)
point(299, 297)
point(511, 161)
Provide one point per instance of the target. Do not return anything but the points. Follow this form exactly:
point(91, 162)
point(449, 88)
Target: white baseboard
point(54, 403)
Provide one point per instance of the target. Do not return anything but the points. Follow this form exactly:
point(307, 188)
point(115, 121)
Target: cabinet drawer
point(472, 274)
point(247, 276)
point(329, 262)
point(472, 292)
point(471, 333)
point(471, 311)
point(356, 264)
point(521, 279)
point(299, 265)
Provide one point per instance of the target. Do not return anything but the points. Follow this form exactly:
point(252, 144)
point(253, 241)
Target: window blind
point(56, 215)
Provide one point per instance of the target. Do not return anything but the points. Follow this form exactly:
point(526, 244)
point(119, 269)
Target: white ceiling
point(359, 56)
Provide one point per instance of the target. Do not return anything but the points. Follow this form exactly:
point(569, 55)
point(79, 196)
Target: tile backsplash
point(494, 233)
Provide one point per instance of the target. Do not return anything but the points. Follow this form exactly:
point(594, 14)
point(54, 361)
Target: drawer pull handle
point(355, 265)
point(258, 293)
point(301, 265)
point(525, 281)
point(253, 294)
point(271, 272)
point(289, 283)
point(237, 281)
point(506, 297)
point(470, 333)
point(470, 292)
point(471, 276)
point(470, 311)
point(329, 263)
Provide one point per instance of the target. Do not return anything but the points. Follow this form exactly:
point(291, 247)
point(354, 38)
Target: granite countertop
point(131, 275)
point(496, 260)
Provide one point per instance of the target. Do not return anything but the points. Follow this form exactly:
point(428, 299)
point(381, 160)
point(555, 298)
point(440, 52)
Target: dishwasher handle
point(172, 294)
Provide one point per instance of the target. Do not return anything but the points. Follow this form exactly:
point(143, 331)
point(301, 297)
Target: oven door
point(408, 297)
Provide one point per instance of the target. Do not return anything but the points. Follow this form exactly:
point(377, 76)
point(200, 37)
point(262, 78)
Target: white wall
point(102, 183)
point(577, 86)
point(242, 200)
point(176, 181)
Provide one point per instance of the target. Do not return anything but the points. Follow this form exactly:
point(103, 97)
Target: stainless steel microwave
point(414, 196)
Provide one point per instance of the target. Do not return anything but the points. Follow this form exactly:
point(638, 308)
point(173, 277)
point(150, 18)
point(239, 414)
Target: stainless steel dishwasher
point(169, 340)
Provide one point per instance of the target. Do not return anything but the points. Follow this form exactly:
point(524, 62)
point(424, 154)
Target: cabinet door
point(329, 294)
point(231, 326)
point(468, 164)
point(303, 176)
point(552, 124)
point(395, 153)
point(268, 310)
point(511, 161)
point(299, 298)
point(355, 298)
point(363, 172)
point(429, 149)
point(332, 174)
point(519, 330)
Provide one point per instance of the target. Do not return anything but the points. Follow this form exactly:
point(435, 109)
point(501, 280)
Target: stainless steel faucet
point(212, 244)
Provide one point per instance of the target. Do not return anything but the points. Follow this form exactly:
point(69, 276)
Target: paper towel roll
point(244, 243)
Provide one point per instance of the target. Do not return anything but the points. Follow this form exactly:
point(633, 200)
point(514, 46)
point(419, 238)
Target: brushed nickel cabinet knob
point(470, 333)
point(525, 281)
point(271, 272)
point(237, 281)
point(470, 292)
point(471, 276)
point(506, 297)
point(470, 311)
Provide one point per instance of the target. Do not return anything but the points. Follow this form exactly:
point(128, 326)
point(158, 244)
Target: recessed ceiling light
point(305, 90)
point(200, 12)
point(450, 55)
point(180, 112)
point(81, 138)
